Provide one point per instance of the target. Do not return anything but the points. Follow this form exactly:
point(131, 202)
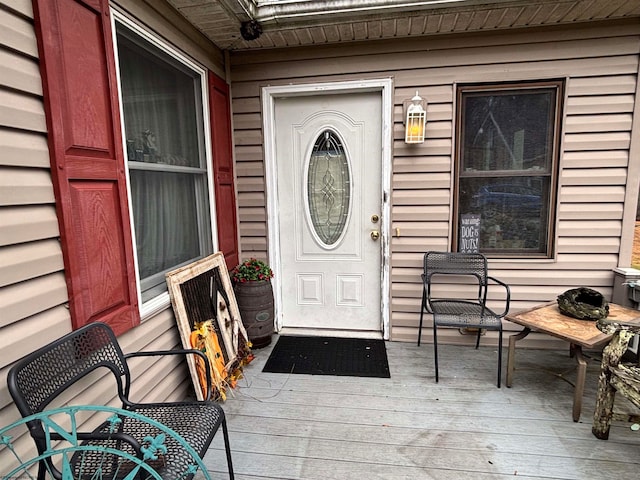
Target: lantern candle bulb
point(416, 119)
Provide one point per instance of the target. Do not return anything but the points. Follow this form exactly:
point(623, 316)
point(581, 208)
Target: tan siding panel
point(256, 229)
point(421, 197)
point(20, 262)
point(254, 246)
point(249, 169)
point(436, 147)
point(431, 94)
point(249, 153)
point(21, 112)
point(605, 85)
point(249, 137)
point(247, 121)
point(580, 194)
point(421, 229)
point(418, 244)
point(597, 141)
point(23, 7)
point(418, 213)
point(421, 164)
point(19, 336)
point(588, 212)
point(254, 214)
point(416, 181)
point(17, 34)
point(595, 159)
point(21, 186)
point(32, 297)
point(251, 184)
point(245, 105)
point(598, 123)
point(19, 73)
point(23, 149)
point(600, 104)
point(26, 224)
point(251, 199)
point(599, 176)
point(590, 228)
point(584, 245)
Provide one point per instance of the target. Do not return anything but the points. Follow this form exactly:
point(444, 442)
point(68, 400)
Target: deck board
point(408, 427)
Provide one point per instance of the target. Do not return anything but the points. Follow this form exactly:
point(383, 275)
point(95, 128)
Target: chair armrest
point(188, 351)
point(507, 294)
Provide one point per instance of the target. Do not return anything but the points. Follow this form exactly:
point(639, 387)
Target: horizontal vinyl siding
point(32, 283)
point(33, 293)
point(600, 64)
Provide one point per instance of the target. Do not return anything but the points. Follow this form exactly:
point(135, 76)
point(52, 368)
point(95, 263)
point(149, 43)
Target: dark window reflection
point(506, 166)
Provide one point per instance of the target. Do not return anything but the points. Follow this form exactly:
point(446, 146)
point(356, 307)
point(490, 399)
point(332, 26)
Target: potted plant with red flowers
point(254, 295)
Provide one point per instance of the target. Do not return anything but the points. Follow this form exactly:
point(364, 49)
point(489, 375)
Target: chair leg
point(478, 338)
point(421, 315)
point(227, 448)
point(499, 356)
point(435, 347)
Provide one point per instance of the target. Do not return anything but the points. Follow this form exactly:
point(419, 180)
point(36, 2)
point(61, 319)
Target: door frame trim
point(269, 96)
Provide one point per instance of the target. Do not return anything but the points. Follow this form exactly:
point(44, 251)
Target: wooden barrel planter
point(255, 303)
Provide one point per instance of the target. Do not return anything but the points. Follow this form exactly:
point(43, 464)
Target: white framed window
point(167, 150)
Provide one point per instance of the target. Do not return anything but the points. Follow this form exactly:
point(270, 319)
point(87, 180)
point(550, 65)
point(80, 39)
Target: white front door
point(328, 155)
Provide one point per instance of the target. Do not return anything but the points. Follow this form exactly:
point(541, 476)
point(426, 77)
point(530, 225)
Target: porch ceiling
point(294, 23)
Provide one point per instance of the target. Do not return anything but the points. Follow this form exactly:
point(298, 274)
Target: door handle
point(375, 235)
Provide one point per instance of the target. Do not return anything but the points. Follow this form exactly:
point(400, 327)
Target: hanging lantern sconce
point(415, 121)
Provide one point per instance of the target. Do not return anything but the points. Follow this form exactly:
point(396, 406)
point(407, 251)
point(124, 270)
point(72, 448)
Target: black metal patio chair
point(39, 381)
point(444, 270)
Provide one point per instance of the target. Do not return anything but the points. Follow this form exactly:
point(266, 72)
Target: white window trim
point(161, 302)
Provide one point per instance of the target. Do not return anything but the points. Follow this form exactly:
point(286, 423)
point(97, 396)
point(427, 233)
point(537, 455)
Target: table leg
point(579, 388)
point(512, 352)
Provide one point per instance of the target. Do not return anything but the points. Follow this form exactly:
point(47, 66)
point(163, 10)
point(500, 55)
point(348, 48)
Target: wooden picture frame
point(192, 289)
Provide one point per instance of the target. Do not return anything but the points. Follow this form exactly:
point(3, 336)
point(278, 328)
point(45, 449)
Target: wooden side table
point(548, 319)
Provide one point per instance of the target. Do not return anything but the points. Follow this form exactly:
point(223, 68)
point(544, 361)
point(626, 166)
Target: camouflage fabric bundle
point(583, 303)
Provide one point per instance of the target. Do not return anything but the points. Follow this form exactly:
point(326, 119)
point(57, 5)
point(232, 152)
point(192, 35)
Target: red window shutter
point(220, 114)
point(87, 162)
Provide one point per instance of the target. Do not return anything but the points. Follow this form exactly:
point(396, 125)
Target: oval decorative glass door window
point(328, 189)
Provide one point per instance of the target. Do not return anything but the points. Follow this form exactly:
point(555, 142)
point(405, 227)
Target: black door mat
point(354, 357)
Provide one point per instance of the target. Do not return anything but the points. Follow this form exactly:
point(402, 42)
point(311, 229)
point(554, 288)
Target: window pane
point(165, 215)
point(160, 104)
point(513, 212)
point(507, 164)
point(328, 188)
point(508, 131)
point(163, 122)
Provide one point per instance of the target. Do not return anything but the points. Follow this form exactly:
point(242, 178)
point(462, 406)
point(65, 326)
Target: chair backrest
point(38, 378)
point(454, 263)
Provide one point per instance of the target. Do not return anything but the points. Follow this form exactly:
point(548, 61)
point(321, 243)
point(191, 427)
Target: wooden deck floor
point(408, 427)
